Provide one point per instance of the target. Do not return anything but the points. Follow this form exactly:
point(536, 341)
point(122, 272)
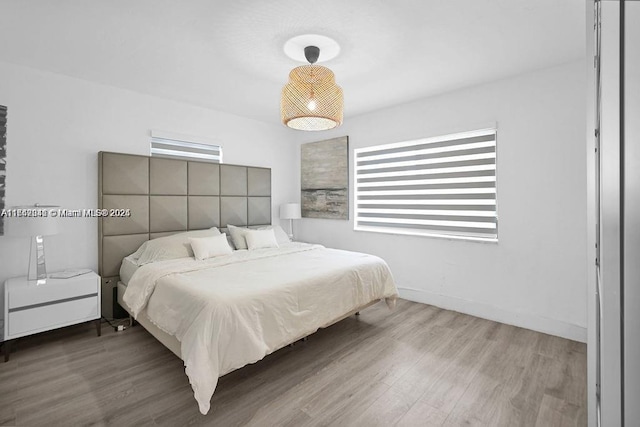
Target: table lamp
point(290, 211)
point(35, 222)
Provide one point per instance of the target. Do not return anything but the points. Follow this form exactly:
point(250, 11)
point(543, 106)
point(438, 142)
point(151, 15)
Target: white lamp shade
point(290, 211)
point(37, 225)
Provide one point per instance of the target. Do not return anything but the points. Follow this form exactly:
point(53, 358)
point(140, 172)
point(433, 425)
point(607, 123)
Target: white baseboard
point(486, 311)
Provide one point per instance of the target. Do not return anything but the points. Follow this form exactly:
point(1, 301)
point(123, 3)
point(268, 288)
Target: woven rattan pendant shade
point(311, 100)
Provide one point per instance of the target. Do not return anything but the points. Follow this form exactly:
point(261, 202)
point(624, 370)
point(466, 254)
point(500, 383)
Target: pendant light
point(312, 100)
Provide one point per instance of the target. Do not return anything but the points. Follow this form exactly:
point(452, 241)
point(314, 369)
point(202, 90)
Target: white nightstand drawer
point(53, 290)
point(32, 320)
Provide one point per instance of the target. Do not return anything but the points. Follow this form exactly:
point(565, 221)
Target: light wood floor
point(416, 366)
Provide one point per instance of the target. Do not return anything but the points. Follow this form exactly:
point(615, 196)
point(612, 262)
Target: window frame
point(184, 141)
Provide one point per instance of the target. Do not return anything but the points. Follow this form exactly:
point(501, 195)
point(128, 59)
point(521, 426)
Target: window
point(185, 147)
point(441, 186)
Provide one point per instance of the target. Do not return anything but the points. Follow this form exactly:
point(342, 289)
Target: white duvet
point(233, 310)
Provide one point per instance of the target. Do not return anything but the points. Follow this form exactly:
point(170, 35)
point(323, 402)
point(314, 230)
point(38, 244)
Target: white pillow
point(209, 247)
point(230, 242)
point(171, 247)
point(258, 239)
point(281, 235)
point(238, 236)
point(136, 255)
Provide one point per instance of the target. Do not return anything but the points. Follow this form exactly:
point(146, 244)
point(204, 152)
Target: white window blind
point(176, 146)
point(441, 186)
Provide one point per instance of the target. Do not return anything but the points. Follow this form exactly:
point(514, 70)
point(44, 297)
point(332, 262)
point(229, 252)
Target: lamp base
point(290, 229)
point(37, 267)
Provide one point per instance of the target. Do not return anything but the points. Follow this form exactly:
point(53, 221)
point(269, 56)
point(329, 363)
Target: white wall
point(535, 276)
point(56, 127)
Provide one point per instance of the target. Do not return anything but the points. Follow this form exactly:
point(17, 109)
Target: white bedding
point(233, 310)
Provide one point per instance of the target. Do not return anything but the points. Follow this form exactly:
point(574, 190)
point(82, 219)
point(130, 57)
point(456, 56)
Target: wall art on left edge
point(3, 162)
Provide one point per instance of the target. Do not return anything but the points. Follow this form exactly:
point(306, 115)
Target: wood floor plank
point(7, 404)
point(387, 410)
point(355, 372)
point(64, 404)
point(294, 419)
point(521, 399)
point(345, 411)
point(556, 412)
point(422, 414)
point(478, 402)
point(417, 365)
point(7, 407)
point(363, 373)
point(569, 387)
point(444, 392)
point(440, 353)
point(502, 367)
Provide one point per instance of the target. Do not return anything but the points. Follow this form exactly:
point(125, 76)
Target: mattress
point(127, 269)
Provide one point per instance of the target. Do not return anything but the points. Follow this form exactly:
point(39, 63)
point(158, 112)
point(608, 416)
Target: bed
point(223, 312)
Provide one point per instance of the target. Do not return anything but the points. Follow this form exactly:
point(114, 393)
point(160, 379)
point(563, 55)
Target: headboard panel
point(166, 196)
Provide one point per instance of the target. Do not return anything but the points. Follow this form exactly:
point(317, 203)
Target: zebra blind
point(175, 146)
point(441, 186)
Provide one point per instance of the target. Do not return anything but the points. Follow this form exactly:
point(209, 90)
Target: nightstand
point(30, 308)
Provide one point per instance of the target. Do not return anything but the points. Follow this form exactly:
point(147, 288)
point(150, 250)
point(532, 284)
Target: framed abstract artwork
point(3, 163)
point(325, 178)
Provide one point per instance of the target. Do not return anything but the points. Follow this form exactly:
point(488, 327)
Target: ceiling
point(228, 55)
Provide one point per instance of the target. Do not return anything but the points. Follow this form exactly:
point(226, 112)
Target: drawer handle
point(44, 304)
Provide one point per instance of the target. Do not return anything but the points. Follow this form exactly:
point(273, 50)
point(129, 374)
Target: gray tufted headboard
point(166, 196)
